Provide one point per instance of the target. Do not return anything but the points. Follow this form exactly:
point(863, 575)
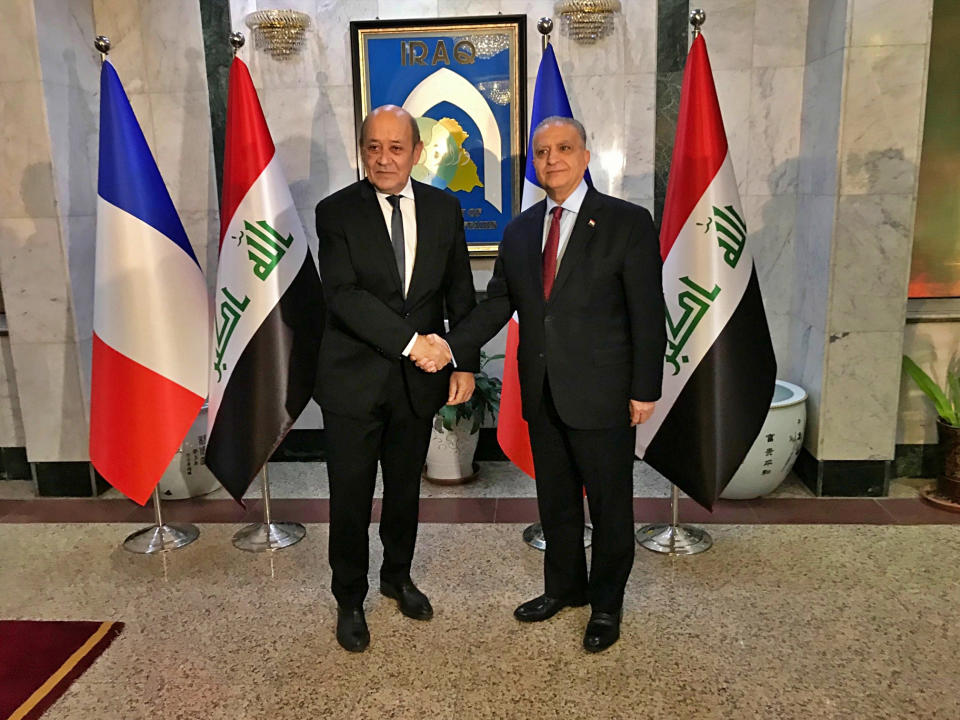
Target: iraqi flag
point(549, 99)
point(268, 311)
point(150, 310)
point(719, 368)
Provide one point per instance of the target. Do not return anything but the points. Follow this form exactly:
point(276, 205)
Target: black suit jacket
point(601, 336)
point(368, 321)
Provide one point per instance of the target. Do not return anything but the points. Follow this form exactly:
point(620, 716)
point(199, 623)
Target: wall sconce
point(280, 32)
point(587, 21)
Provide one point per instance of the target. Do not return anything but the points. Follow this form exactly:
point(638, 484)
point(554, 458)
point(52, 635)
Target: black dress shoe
point(603, 630)
point(543, 608)
point(352, 633)
point(413, 603)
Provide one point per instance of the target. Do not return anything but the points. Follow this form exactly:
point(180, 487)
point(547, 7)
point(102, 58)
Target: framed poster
point(464, 80)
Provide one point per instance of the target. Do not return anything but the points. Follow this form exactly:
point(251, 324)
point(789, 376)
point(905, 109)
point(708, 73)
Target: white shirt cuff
point(453, 360)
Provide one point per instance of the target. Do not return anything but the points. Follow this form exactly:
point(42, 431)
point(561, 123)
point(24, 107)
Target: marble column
point(46, 230)
point(864, 85)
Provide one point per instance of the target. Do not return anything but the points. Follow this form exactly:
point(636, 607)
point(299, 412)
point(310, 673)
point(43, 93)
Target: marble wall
point(757, 50)
point(861, 133)
point(37, 87)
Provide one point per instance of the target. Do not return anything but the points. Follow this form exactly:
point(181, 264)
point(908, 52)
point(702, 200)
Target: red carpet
point(39, 660)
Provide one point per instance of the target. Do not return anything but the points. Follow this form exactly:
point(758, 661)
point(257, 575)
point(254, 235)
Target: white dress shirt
point(571, 206)
point(408, 210)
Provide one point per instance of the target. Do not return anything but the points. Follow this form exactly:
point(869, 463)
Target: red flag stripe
point(512, 432)
point(699, 148)
point(127, 444)
point(248, 147)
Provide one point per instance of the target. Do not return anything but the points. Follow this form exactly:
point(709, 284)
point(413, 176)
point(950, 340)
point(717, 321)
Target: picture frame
point(464, 79)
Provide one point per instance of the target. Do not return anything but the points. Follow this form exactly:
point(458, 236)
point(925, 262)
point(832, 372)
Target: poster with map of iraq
point(464, 80)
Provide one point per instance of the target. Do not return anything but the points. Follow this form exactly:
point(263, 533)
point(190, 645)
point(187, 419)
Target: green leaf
point(933, 391)
point(448, 415)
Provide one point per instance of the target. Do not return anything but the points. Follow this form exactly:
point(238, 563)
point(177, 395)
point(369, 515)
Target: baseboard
point(13, 464)
point(844, 478)
point(68, 479)
point(921, 460)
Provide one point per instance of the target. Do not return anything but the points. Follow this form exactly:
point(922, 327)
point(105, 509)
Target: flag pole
point(533, 534)
point(268, 535)
point(677, 539)
point(158, 537)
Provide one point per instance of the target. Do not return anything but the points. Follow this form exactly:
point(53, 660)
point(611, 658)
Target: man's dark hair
point(414, 128)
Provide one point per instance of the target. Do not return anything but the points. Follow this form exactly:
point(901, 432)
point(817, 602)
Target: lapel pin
point(591, 222)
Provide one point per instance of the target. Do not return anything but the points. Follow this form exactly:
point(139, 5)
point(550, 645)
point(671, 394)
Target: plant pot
point(776, 448)
point(948, 482)
point(450, 455)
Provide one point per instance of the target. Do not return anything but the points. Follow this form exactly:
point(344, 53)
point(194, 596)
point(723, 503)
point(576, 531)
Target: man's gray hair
point(414, 128)
point(560, 120)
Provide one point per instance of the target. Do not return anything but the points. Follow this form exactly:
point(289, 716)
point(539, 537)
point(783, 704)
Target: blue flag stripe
point(549, 99)
point(128, 176)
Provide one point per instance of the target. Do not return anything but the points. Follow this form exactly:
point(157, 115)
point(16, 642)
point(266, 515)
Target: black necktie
point(396, 236)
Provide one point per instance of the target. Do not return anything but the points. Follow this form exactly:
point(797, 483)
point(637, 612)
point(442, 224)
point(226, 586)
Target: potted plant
point(456, 430)
point(946, 402)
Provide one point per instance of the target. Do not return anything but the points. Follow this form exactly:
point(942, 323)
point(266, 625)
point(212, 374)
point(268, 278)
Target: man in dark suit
point(392, 256)
point(582, 270)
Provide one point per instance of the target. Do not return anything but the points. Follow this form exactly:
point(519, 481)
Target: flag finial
point(697, 18)
point(545, 26)
point(102, 44)
point(237, 40)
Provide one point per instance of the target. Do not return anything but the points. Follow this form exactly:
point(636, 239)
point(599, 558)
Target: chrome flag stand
point(268, 535)
point(160, 536)
point(674, 539)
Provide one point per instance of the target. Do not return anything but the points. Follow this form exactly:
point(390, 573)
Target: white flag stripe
point(698, 255)
point(532, 194)
point(159, 290)
point(269, 200)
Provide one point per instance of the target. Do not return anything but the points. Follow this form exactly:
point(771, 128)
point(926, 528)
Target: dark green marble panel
point(215, 20)
point(672, 33)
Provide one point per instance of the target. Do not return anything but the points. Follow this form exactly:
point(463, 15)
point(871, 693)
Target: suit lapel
point(426, 242)
point(379, 236)
point(576, 248)
point(534, 233)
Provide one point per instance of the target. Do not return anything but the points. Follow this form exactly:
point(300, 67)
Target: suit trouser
point(396, 437)
point(566, 460)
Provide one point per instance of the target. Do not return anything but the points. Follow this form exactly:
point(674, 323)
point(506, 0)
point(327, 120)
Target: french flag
point(151, 310)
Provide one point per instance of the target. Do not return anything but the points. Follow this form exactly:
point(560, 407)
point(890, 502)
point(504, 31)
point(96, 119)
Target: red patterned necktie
point(550, 252)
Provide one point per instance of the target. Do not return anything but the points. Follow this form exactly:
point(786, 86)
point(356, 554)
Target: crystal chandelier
point(488, 44)
point(280, 32)
point(496, 91)
point(587, 21)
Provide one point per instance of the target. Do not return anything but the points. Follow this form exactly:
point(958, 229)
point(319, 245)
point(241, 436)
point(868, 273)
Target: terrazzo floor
point(787, 621)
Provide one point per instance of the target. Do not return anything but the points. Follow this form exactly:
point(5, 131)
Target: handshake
point(431, 353)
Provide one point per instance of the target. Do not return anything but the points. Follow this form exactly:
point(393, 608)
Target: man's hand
point(461, 387)
point(430, 353)
point(640, 412)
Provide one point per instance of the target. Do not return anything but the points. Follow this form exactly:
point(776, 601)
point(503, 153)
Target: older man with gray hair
point(582, 270)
